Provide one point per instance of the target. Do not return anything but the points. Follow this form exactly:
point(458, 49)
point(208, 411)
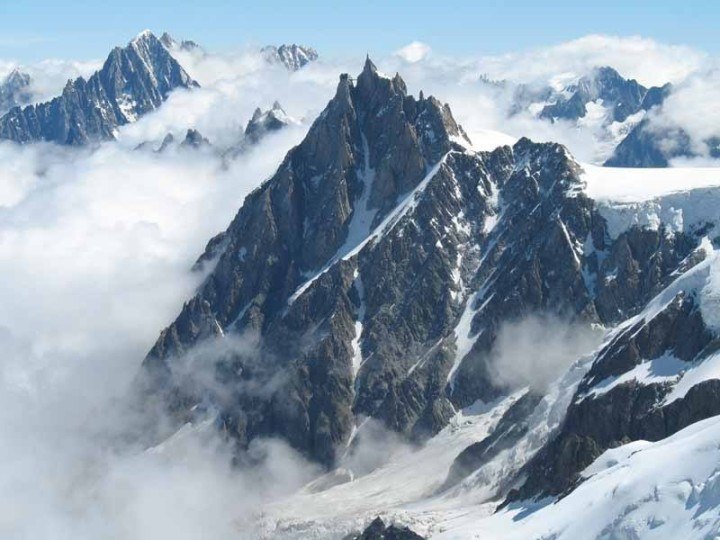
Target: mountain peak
point(369, 66)
point(363, 165)
point(144, 36)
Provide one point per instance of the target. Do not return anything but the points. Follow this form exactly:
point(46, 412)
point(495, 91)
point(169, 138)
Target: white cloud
point(413, 52)
point(517, 362)
point(95, 251)
point(693, 106)
point(647, 60)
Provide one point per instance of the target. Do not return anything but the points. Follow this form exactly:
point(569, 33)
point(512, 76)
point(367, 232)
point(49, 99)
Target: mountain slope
point(133, 81)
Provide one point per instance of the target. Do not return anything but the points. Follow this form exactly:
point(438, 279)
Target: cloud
point(649, 61)
point(692, 107)
point(413, 52)
point(95, 251)
point(49, 77)
point(517, 361)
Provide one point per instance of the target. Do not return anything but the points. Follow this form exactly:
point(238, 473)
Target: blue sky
point(83, 29)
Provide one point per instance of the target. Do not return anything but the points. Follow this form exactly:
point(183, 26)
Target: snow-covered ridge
point(682, 199)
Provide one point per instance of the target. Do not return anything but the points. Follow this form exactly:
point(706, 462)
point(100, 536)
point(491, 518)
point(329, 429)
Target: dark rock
point(193, 139)
point(377, 530)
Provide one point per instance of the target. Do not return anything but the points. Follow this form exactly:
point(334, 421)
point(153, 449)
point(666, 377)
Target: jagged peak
point(370, 79)
point(143, 36)
point(369, 66)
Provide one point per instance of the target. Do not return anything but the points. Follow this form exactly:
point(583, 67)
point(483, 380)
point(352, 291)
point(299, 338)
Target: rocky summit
point(133, 81)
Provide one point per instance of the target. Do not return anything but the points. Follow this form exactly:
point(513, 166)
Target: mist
point(536, 350)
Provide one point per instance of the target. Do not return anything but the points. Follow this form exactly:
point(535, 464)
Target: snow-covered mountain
point(602, 102)
point(293, 57)
point(539, 329)
point(134, 80)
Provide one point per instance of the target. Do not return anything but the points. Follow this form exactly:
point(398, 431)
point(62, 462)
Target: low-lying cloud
point(536, 350)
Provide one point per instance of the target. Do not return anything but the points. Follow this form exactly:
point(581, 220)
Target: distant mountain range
point(617, 110)
point(134, 80)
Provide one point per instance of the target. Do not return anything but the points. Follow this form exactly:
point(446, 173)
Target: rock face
point(133, 81)
point(627, 394)
point(14, 90)
point(372, 274)
point(293, 57)
point(193, 139)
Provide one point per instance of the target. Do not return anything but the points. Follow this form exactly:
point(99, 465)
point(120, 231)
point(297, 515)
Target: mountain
point(380, 273)
point(293, 57)
point(14, 90)
point(602, 102)
point(133, 81)
point(263, 122)
point(605, 86)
